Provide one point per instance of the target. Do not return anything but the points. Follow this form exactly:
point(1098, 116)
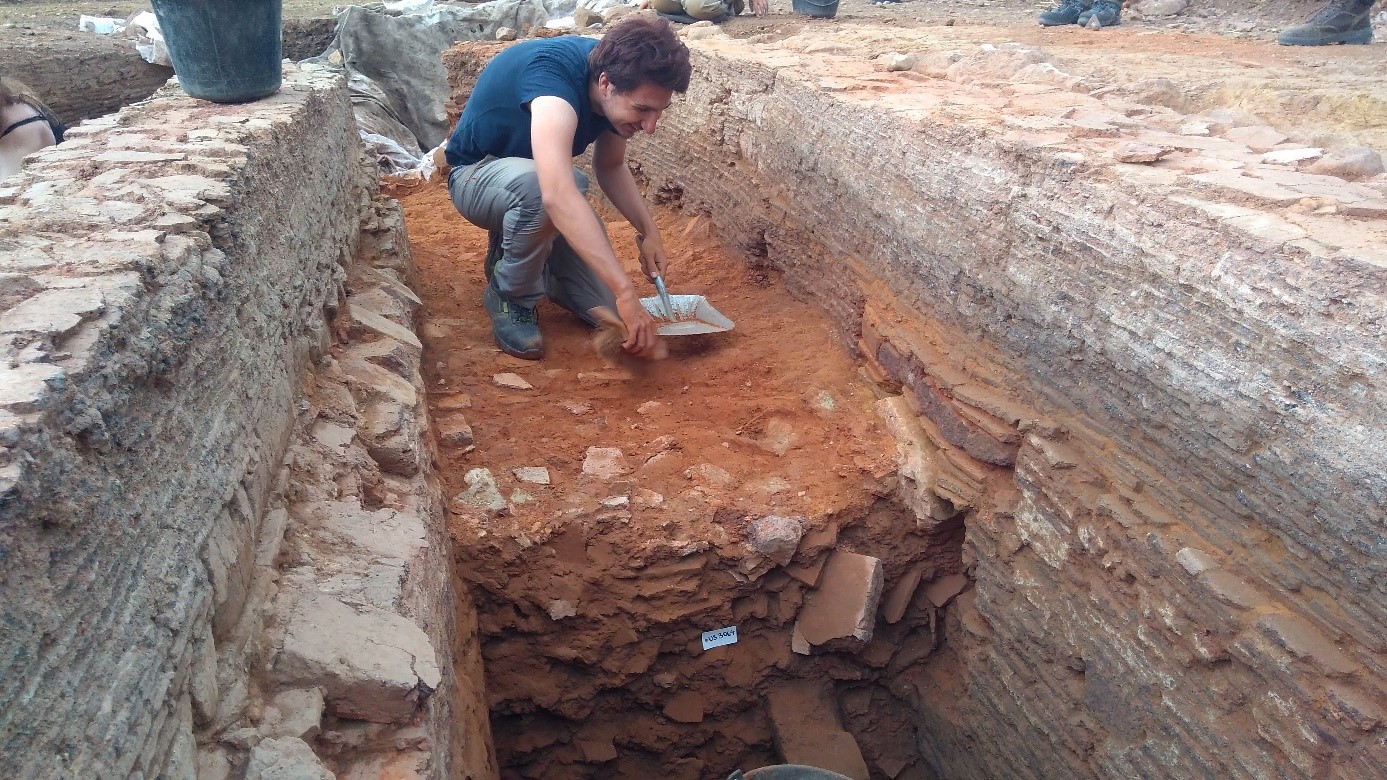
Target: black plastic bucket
point(824, 9)
point(224, 51)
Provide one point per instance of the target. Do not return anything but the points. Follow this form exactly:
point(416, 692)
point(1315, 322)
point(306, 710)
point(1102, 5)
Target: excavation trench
point(1042, 382)
point(735, 484)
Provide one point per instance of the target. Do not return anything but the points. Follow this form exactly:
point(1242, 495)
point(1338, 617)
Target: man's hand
point(653, 257)
point(760, 7)
point(641, 338)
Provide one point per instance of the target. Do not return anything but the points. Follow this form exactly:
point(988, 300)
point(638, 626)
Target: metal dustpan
point(688, 314)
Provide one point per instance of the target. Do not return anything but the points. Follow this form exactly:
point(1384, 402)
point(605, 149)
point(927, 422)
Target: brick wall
point(1180, 366)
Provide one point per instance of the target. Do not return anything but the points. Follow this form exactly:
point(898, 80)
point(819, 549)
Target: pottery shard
point(605, 463)
point(776, 537)
point(512, 381)
point(1133, 152)
point(844, 605)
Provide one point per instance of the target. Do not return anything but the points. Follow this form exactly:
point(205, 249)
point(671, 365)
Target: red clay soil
point(778, 381)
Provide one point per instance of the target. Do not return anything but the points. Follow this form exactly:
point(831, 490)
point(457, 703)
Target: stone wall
point(1177, 366)
point(165, 277)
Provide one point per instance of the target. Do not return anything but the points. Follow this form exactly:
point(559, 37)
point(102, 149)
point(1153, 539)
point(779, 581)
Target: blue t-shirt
point(496, 119)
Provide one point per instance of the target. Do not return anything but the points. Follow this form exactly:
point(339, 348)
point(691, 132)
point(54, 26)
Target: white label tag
point(720, 637)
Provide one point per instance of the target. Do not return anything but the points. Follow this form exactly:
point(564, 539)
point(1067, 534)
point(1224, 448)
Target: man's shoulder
point(575, 46)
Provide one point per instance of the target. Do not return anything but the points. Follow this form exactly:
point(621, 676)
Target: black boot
point(515, 327)
point(1341, 21)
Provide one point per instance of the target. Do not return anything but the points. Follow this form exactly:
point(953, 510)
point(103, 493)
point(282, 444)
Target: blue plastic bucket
point(823, 9)
point(226, 52)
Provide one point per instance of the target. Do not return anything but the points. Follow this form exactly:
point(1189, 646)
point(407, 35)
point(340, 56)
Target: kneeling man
point(535, 107)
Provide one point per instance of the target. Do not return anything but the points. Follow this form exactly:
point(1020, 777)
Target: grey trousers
point(502, 195)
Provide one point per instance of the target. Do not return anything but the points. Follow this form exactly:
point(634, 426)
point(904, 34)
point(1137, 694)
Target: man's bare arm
point(553, 123)
point(613, 175)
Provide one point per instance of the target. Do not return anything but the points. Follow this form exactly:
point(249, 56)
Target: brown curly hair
point(642, 49)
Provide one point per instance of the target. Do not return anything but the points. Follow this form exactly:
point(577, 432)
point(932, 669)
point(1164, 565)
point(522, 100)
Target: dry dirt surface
point(773, 403)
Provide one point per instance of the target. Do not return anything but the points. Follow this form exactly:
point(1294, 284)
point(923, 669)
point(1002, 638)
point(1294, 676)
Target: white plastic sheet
point(149, 41)
point(101, 25)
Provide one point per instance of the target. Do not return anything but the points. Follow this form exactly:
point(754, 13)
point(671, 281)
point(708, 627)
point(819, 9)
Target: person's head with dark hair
point(641, 50)
point(634, 72)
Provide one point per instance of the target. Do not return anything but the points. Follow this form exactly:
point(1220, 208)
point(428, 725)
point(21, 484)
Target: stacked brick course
point(1179, 365)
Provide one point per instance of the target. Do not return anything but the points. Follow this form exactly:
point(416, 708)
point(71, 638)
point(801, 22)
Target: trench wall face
point(84, 75)
point(1179, 367)
point(172, 280)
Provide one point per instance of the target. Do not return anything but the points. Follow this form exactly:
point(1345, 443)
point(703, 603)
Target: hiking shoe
point(1341, 21)
point(493, 253)
point(515, 327)
point(1108, 13)
point(1067, 12)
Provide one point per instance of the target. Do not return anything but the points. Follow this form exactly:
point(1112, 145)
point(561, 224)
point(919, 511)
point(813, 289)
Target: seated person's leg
point(503, 197)
point(569, 281)
point(707, 9)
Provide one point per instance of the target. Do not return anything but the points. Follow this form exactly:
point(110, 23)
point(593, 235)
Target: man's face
point(631, 112)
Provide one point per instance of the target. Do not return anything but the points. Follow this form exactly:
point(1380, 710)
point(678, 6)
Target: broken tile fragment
point(844, 605)
point(894, 608)
point(941, 590)
point(535, 475)
point(605, 463)
point(512, 381)
point(453, 431)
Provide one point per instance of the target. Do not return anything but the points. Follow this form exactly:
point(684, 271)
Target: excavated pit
point(1107, 488)
point(593, 590)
